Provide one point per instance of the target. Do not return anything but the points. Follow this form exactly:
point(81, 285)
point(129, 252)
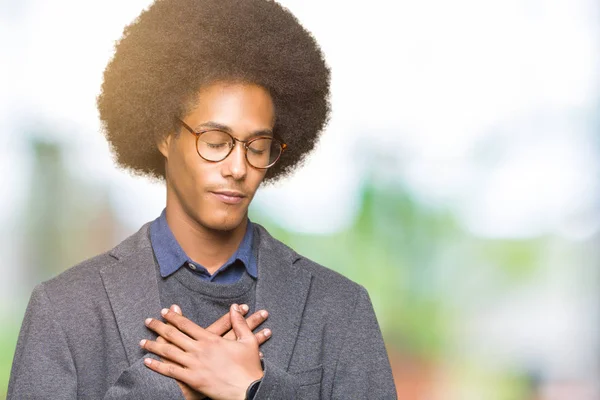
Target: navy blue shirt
point(171, 257)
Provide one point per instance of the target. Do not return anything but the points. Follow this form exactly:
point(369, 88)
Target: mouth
point(229, 196)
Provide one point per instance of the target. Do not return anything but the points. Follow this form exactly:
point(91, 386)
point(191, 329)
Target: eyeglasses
point(215, 145)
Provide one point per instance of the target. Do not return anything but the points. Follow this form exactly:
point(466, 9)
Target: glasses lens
point(214, 145)
point(263, 152)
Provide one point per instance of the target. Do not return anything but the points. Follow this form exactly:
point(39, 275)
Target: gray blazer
point(81, 330)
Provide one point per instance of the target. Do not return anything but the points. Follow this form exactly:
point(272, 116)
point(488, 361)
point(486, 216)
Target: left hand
point(208, 363)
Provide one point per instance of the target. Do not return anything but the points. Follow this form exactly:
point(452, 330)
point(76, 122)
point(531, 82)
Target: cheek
point(186, 173)
point(196, 176)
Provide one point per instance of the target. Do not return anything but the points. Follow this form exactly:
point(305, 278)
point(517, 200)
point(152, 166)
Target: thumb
point(239, 324)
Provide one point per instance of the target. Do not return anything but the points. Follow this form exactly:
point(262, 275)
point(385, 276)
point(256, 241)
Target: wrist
point(253, 387)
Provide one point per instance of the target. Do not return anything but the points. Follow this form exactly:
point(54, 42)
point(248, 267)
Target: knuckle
point(170, 369)
point(169, 333)
point(184, 325)
point(254, 321)
point(168, 353)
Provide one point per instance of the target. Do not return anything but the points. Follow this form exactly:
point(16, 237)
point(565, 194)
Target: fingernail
point(148, 320)
point(245, 307)
point(177, 309)
point(267, 332)
point(164, 311)
point(142, 342)
point(147, 361)
point(264, 314)
point(236, 308)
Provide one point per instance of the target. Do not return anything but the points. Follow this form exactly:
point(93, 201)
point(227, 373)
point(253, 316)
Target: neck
point(208, 247)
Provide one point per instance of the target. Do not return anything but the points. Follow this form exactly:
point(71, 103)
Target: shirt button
point(192, 266)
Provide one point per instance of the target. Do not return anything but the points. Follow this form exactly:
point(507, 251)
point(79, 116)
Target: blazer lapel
point(282, 290)
point(132, 290)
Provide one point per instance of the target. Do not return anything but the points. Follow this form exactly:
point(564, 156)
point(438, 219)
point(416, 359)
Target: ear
point(164, 145)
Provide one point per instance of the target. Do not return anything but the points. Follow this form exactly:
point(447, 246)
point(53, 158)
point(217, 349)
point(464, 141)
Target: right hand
point(222, 327)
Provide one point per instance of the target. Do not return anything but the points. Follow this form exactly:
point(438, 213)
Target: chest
point(204, 302)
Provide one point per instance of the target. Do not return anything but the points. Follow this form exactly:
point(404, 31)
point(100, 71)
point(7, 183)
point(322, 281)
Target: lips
point(229, 196)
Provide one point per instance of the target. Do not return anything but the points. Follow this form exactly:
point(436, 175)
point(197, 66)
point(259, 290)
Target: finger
point(253, 321)
point(240, 327)
point(260, 336)
point(184, 325)
point(175, 308)
point(263, 336)
point(256, 319)
point(167, 369)
point(223, 324)
point(166, 351)
point(170, 333)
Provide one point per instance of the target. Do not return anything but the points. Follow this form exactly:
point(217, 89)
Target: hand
point(188, 392)
point(199, 357)
point(221, 327)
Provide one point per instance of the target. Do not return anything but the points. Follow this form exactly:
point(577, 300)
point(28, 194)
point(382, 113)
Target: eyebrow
point(225, 128)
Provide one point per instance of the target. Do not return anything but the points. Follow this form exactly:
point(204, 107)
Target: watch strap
point(252, 389)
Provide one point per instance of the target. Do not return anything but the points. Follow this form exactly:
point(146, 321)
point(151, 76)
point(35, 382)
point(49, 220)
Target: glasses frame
point(246, 143)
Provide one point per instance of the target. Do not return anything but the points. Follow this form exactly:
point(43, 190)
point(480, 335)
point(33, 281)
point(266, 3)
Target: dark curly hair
point(177, 46)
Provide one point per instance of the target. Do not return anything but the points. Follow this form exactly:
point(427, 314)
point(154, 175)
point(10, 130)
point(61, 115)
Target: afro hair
point(175, 47)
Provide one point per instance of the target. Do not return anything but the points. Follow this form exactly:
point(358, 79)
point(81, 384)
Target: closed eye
point(217, 145)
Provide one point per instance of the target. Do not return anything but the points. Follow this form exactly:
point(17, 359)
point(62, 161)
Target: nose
point(235, 165)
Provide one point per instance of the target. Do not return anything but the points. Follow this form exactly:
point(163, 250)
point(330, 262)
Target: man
point(215, 97)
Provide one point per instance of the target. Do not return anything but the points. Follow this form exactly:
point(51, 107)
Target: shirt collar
point(171, 257)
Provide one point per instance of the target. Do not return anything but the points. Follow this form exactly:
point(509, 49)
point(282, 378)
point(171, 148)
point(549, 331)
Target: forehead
point(243, 107)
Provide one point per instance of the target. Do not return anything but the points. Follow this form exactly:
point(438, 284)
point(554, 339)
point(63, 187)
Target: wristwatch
point(252, 389)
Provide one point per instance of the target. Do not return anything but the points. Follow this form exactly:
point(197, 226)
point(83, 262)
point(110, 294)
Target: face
point(216, 195)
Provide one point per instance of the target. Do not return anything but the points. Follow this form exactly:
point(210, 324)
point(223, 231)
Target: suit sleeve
point(140, 382)
point(363, 369)
point(43, 365)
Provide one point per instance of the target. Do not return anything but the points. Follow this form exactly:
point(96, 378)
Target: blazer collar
point(132, 288)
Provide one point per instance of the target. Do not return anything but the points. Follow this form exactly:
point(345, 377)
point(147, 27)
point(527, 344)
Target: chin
point(225, 223)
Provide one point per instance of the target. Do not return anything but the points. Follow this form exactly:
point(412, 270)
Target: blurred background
point(458, 179)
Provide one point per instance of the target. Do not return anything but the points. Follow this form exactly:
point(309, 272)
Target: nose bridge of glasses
point(242, 149)
point(243, 142)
